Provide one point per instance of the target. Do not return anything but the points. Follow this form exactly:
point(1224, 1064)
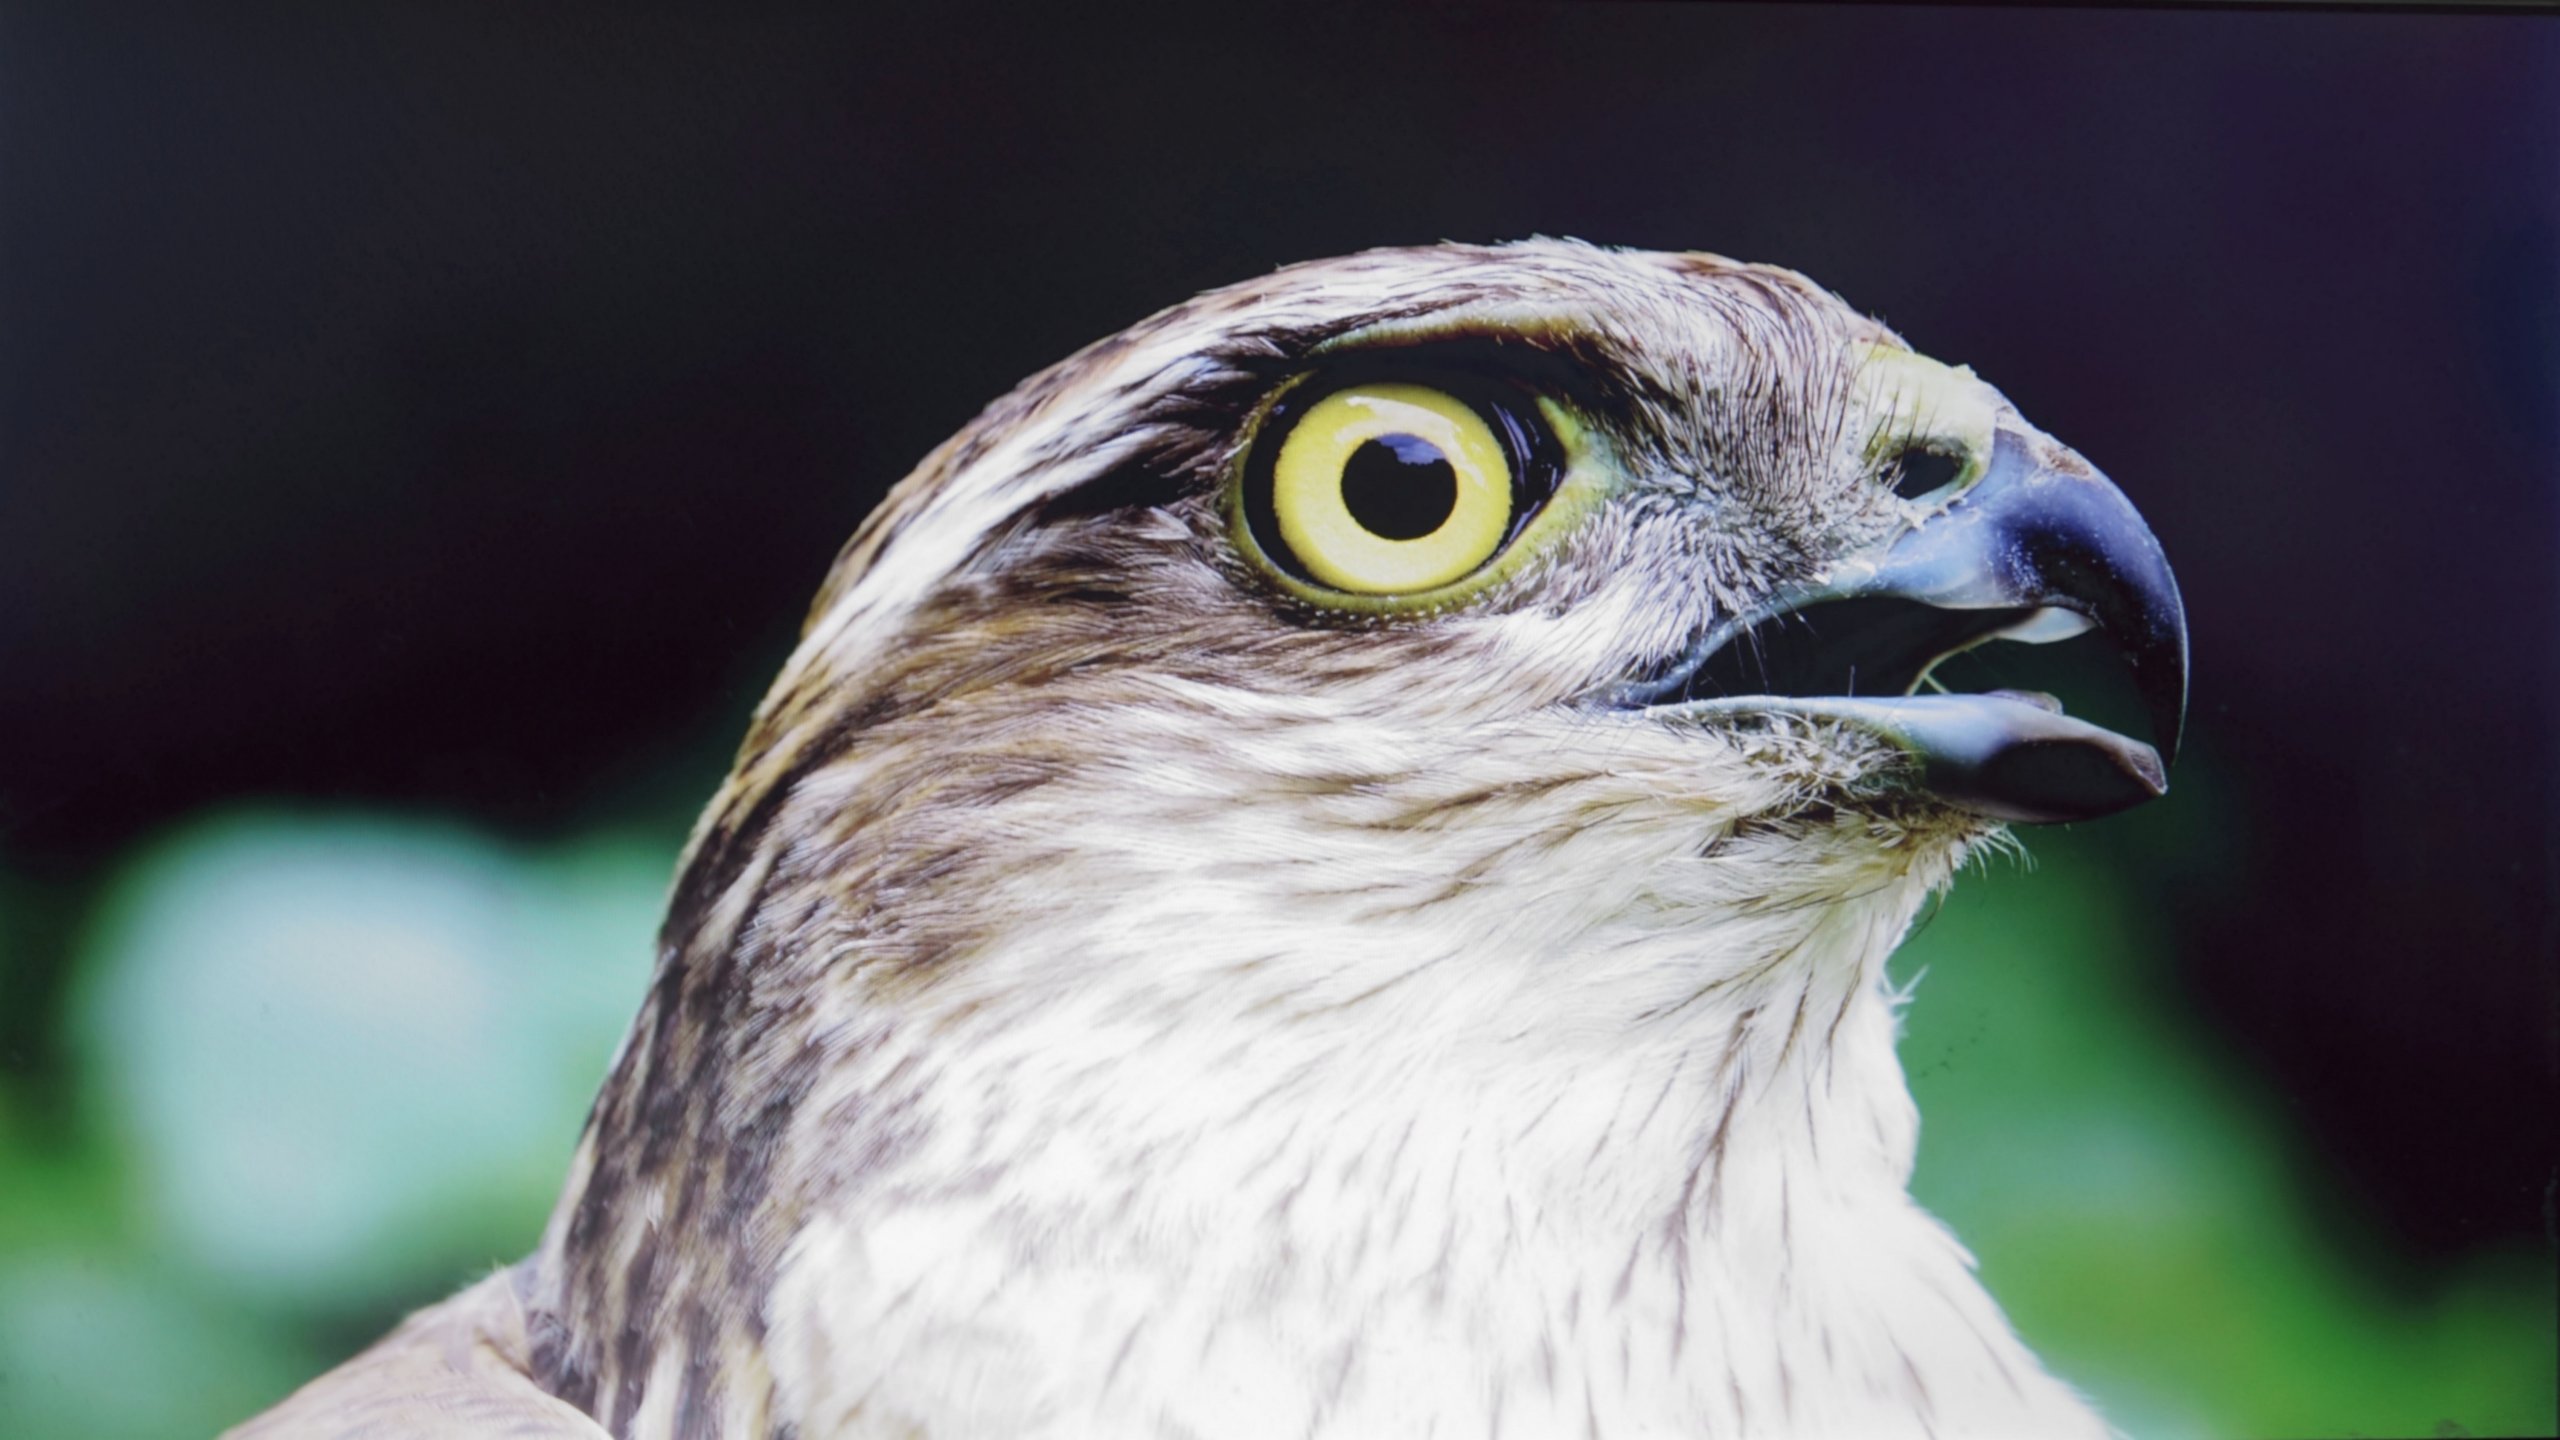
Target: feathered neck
point(1311, 1124)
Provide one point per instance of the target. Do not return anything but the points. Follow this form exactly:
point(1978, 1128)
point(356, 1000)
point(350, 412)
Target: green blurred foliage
point(325, 1068)
point(2136, 1205)
point(328, 1067)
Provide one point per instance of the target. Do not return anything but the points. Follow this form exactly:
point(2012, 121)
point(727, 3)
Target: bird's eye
point(1390, 492)
point(1390, 489)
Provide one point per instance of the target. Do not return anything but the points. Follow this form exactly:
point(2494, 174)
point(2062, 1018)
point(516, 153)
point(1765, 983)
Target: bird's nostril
point(1919, 472)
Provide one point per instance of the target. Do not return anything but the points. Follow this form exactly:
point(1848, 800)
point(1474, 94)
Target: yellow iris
point(1386, 489)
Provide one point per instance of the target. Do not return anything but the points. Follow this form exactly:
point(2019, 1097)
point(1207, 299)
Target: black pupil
point(1399, 487)
point(1917, 471)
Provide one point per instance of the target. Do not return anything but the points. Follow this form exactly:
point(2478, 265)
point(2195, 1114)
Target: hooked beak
point(2043, 547)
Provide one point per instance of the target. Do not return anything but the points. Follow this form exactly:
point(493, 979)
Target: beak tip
point(2158, 658)
point(2169, 725)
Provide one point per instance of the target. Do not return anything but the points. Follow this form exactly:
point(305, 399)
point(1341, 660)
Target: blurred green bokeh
point(2138, 1209)
point(328, 1067)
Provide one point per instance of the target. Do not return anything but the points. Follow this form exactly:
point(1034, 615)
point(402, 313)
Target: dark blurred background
point(421, 428)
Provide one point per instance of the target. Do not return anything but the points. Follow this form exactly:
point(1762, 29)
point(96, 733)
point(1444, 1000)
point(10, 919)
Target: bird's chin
point(2008, 755)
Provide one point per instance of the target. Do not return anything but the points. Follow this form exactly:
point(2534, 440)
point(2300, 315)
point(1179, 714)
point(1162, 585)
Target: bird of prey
point(1325, 868)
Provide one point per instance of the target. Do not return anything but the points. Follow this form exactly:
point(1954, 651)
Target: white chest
point(1631, 1260)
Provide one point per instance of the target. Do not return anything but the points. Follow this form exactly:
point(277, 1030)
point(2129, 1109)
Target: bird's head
point(1533, 587)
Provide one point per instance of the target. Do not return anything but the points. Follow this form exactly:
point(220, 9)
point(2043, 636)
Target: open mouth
point(1879, 646)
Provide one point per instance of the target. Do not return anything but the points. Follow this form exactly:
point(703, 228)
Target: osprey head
point(1442, 688)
